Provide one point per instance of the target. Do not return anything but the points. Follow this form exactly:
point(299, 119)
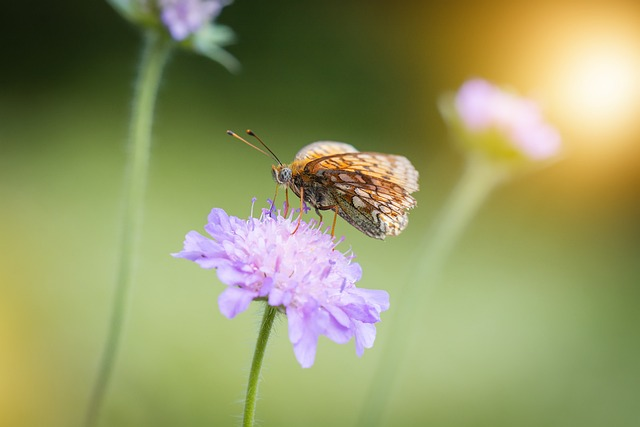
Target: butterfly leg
point(286, 202)
point(335, 217)
point(300, 215)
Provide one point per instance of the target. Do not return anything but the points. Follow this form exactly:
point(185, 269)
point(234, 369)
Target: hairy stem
point(256, 365)
point(154, 58)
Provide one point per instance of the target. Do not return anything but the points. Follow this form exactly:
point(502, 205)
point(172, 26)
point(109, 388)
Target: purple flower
point(483, 107)
point(185, 17)
point(300, 273)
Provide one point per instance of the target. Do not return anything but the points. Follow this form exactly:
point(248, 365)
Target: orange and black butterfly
point(371, 191)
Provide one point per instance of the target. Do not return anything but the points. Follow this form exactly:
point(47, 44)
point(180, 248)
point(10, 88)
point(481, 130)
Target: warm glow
point(602, 83)
point(596, 84)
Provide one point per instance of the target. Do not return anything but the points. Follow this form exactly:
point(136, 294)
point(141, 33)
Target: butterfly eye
point(284, 175)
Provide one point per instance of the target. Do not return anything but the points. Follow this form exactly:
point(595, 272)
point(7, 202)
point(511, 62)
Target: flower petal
point(365, 334)
point(339, 326)
point(365, 305)
point(234, 300)
point(303, 333)
point(232, 274)
point(197, 248)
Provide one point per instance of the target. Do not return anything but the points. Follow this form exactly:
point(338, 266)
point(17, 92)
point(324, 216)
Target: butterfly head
point(281, 174)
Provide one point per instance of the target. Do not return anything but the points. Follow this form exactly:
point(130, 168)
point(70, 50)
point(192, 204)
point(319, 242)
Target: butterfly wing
point(319, 149)
point(390, 168)
point(372, 190)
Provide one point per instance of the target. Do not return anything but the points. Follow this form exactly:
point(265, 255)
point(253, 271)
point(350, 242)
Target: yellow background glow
point(595, 78)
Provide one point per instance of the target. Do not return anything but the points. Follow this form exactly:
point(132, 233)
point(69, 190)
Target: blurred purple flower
point(484, 107)
point(300, 273)
point(185, 17)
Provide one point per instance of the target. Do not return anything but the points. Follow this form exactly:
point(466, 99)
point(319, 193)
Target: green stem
point(154, 58)
point(479, 179)
point(256, 365)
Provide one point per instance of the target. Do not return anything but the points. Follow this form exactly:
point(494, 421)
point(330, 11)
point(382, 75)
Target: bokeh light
point(594, 74)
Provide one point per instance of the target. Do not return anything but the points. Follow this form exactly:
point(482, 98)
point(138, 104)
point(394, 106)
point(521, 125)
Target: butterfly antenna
point(250, 132)
point(273, 156)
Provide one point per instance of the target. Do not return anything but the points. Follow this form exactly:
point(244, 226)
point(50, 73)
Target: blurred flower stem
point(479, 179)
point(501, 135)
point(154, 57)
point(268, 317)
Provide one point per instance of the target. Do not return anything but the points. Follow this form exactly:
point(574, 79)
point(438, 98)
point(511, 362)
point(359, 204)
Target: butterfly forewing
point(320, 149)
point(381, 167)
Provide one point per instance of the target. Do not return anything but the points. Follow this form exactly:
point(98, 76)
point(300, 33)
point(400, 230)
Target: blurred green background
point(536, 321)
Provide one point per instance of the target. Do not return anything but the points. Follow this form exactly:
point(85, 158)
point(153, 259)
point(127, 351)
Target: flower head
point(188, 23)
point(300, 273)
point(185, 17)
point(500, 124)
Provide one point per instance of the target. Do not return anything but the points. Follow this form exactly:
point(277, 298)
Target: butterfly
point(371, 191)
